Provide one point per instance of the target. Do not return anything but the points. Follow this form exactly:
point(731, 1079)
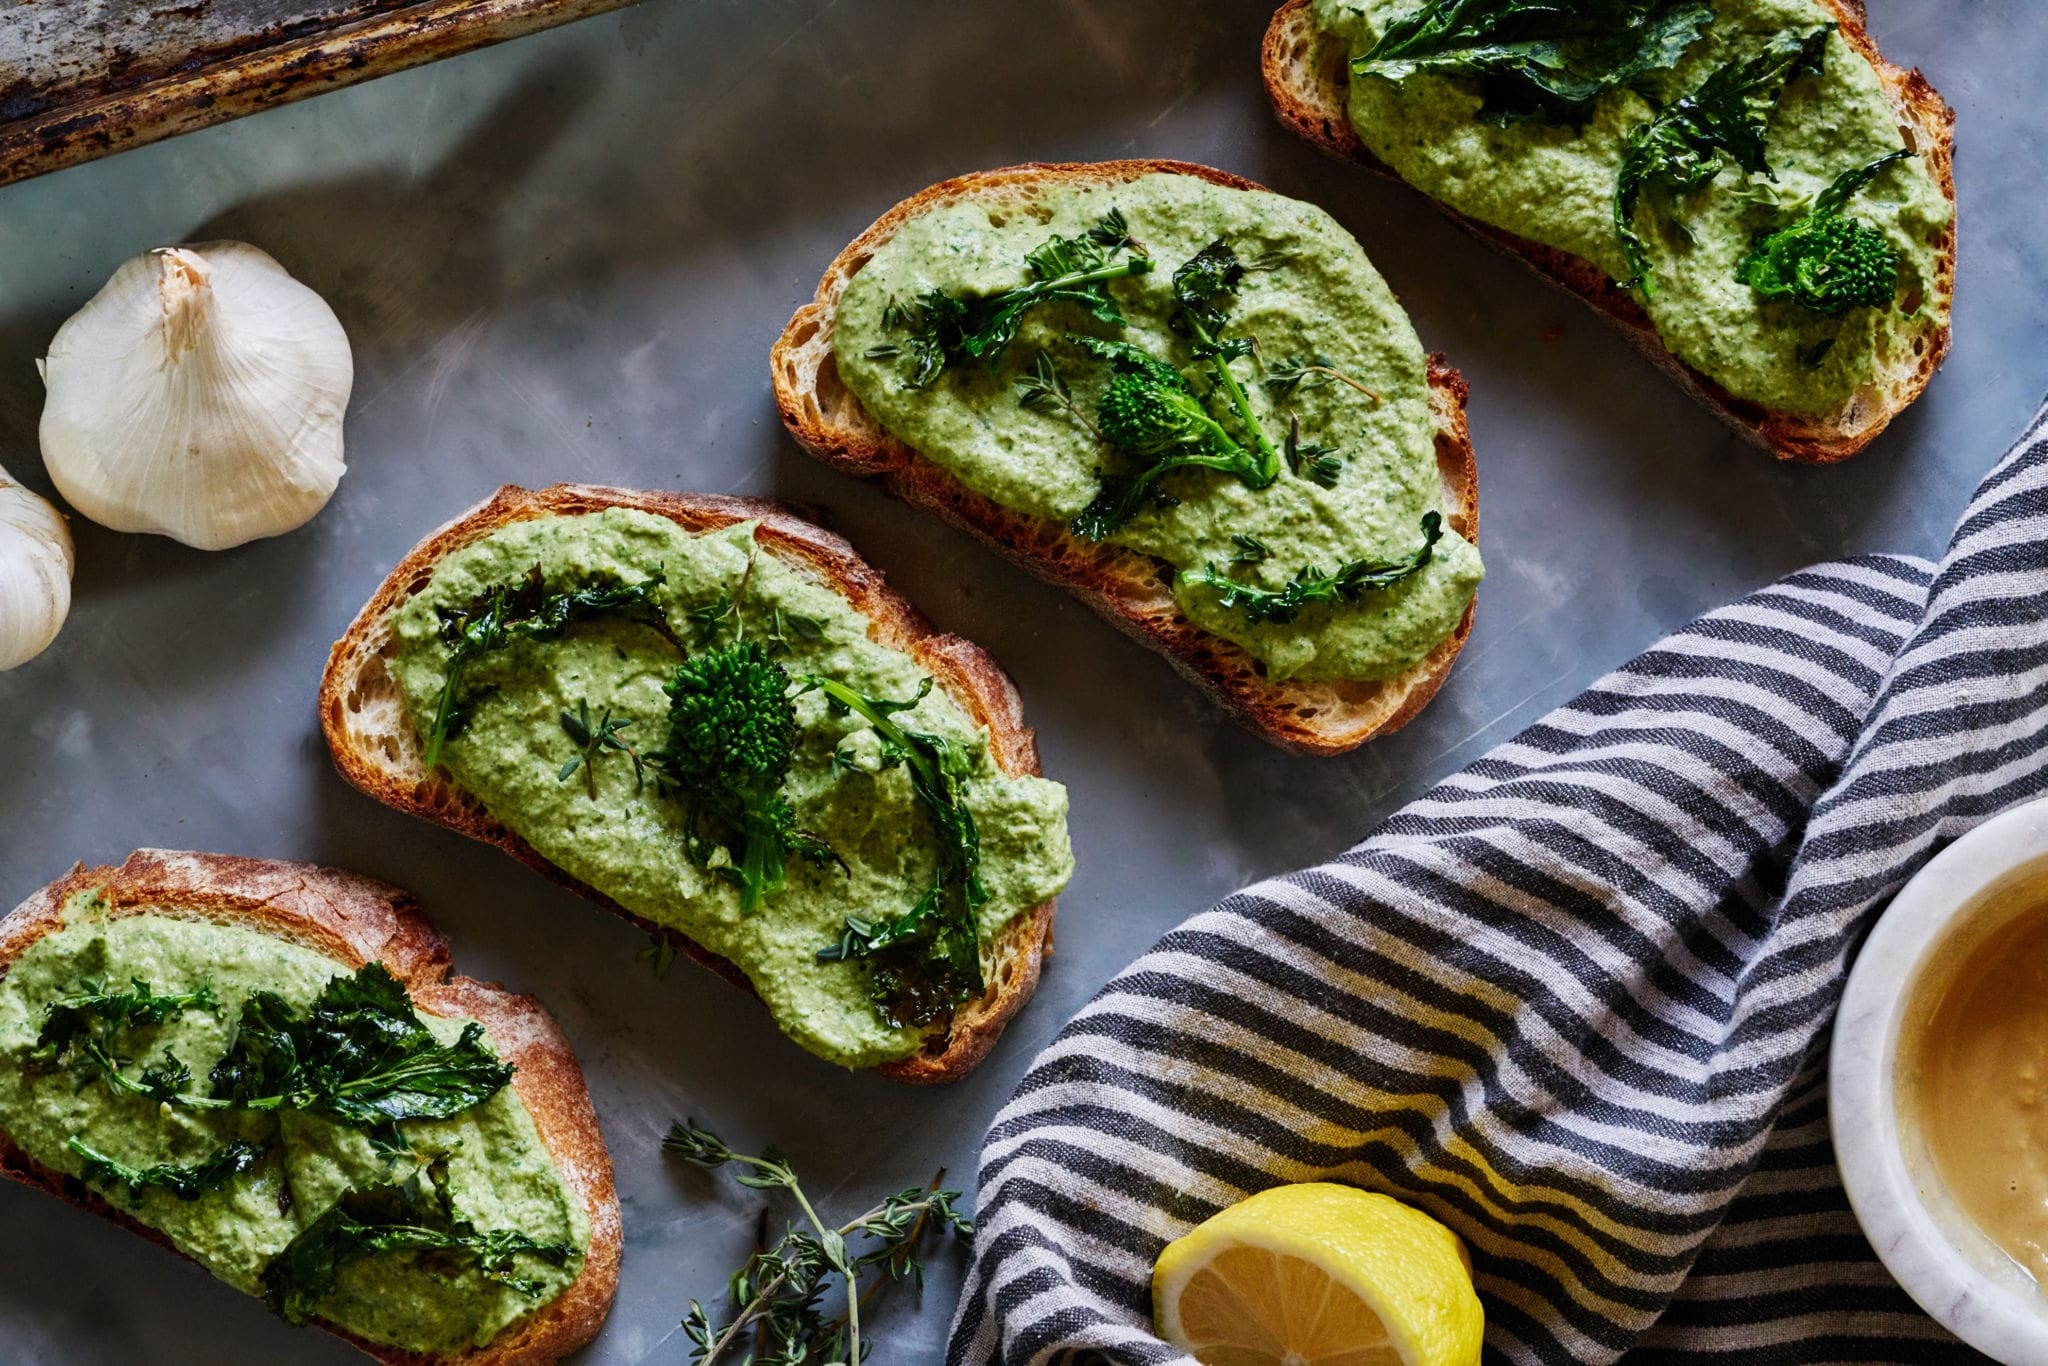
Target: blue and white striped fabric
point(1574, 1001)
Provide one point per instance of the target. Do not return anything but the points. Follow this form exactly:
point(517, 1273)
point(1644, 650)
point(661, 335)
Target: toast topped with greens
point(268, 1068)
point(1761, 203)
point(710, 716)
point(1189, 401)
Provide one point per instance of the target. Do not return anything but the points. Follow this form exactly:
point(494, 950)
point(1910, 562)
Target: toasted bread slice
point(377, 749)
point(1308, 76)
point(1127, 587)
point(355, 920)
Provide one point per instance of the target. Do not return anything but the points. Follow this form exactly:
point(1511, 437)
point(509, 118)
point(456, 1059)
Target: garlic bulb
point(35, 573)
point(200, 395)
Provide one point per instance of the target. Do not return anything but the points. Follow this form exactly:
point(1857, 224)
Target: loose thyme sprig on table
point(777, 1296)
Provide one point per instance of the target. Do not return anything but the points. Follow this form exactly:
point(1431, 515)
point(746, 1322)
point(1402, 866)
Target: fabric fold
point(1573, 1000)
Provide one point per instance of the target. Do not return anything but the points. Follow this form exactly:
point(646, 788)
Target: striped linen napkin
point(1574, 1001)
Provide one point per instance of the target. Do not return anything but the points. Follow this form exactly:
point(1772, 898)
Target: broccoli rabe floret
point(732, 738)
point(1149, 412)
point(1825, 261)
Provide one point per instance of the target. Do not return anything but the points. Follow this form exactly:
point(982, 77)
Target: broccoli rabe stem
point(1039, 289)
point(1204, 290)
point(1267, 468)
point(764, 857)
point(929, 957)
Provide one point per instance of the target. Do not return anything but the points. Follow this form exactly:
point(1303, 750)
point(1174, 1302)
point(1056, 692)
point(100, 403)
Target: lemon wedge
point(1319, 1275)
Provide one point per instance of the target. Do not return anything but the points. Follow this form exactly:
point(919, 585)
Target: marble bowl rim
point(2003, 1320)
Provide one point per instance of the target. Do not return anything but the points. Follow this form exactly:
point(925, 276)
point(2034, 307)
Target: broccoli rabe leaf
point(1542, 60)
point(1824, 260)
point(361, 1055)
point(186, 1181)
point(91, 1017)
point(403, 1217)
point(1693, 140)
point(927, 959)
point(527, 610)
point(943, 327)
point(1282, 605)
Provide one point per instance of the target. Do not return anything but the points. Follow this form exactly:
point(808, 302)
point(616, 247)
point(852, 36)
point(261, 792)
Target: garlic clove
point(199, 395)
point(35, 573)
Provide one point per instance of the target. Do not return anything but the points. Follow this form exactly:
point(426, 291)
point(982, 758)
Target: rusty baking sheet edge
point(185, 100)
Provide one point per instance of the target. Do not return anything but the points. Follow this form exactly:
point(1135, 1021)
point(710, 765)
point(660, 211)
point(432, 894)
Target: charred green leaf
point(1541, 60)
point(529, 610)
point(1689, 143)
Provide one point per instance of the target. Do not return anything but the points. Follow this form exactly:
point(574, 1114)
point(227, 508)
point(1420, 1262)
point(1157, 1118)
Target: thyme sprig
point(1312, 459)
point(1043, 388)
point(593, 740)
point(1283, 377)
point(778, 1293)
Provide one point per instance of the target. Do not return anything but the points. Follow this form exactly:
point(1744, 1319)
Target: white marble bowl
point(1949, 1267)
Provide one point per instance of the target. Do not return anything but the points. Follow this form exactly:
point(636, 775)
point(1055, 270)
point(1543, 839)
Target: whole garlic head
point(35, 573)
point(200, 395)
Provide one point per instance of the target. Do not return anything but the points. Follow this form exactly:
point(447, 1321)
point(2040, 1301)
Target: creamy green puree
point(498, 1171)
point(1319, 297)
point(628, 842)
point(1555, 185)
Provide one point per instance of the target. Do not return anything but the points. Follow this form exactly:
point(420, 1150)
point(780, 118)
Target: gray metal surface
point(565, 259)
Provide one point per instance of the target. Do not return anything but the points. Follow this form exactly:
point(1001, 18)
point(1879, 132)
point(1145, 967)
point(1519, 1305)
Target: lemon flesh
point(1319, 1275)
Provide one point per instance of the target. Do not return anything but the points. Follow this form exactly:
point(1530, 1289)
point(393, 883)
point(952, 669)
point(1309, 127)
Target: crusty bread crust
point(1131, 590)
point(355, 920)
point(1307, 78)
point(376, 748)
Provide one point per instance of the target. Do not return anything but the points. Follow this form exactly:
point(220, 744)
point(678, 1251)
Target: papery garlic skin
point(199, 395)
point(35, 573)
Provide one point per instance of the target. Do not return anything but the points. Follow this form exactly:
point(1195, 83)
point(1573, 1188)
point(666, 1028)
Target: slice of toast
point(1308, 77)
point(1127, 587)
point(377, 749)
point(355, 920)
